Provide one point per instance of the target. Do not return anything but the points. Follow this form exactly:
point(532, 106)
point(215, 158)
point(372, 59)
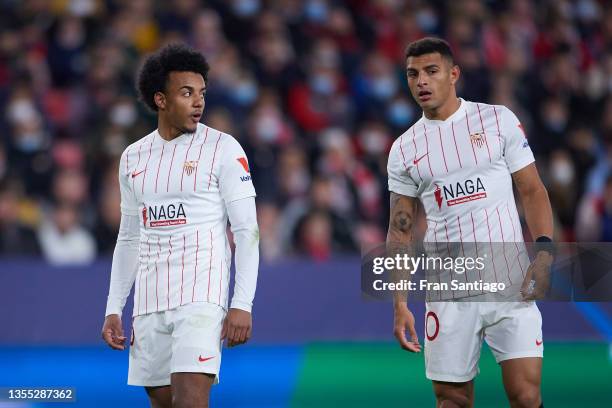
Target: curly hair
point(154, 73)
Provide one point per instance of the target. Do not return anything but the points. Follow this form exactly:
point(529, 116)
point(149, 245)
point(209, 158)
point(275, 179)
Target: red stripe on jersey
point(186, 156)
point(137, 164)
point(159, 165)
point(449, 251)
point(402, 151)
point(437, 252)
point(213, 160)
point(462, 249)
point(199, 155)
point(182, 269)
point(469, 137)
point(442, 146)
point(499, 141)
point(210, 266)
point(514, 239)
point(147, 278)
point(220, 279)
point(504, 244)
point(170, 169)
point(156, 273)
point(483, 132)
point(475, 243)
point(491, 246)
point(456, 148)
point(144, 176)
point(427, 143)
point(140, 276)
point(195, 269)
point(415, 154)
point(168, 263)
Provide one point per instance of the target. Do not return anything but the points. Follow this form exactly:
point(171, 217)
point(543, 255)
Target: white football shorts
point(454, 332)
point(184, 339)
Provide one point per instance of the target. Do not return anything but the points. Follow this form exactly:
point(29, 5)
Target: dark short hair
point(430, 45)
point(156, 69)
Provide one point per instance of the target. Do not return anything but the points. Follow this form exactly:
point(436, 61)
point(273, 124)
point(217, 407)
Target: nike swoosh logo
point(203, 359)
point(134, 174)
point(416, 161)
point(539, 343)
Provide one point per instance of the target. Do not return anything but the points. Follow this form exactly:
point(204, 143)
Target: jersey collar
point(458, 113)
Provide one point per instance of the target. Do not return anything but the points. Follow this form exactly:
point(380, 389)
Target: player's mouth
point(424, 96)
point(195, 117)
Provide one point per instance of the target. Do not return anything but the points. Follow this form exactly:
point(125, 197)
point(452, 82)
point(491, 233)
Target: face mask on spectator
point(30, 141)
point(322, 84)
point(427, 20)
point(373, 141)
point(383, 87)
point(245, 92)
point(123, 115)
point(562, 171)
point(316, 10)
point(246, 8)
point(400, 113)
point(267, 128)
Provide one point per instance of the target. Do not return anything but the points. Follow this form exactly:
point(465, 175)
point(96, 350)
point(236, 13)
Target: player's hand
point(403, 320)
point(537, 279)
point(237, 327)
point(112, 332)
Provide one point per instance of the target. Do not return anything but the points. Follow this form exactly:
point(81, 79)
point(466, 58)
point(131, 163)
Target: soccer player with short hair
point(179, 186)
point(460, 160)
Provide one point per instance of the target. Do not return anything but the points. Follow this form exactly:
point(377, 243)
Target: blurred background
point(315, 92)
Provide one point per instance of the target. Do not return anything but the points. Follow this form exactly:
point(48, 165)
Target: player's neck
point(166, 130)
point(445, 110)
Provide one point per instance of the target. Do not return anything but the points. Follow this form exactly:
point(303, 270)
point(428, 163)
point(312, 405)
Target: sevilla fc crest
point(190, 166)
point(477, 139)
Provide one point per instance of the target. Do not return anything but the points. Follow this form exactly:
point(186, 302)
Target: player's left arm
point(238, 193)
point(535, 201)
point(538, 213)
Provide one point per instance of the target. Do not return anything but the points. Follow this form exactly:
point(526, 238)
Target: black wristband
point(544, 243)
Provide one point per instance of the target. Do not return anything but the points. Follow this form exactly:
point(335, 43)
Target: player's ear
point(455, 72)
point(160, 100)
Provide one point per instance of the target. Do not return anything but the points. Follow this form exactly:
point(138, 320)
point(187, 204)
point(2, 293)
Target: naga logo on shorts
point(190, 166)
point(164, 215)
point(477, 139)
point(460, 192)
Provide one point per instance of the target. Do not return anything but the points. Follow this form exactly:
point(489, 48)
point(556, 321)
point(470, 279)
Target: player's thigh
point(150, 351)
point(160, 397)
point(191, 389)
point(522, 378)
point(513, 330)
point(452, 394)
point(196, 338)
point(453, 339)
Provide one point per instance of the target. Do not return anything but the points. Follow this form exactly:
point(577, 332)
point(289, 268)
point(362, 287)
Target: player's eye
point(432, 71)
point(411, 74)
point(187, 93)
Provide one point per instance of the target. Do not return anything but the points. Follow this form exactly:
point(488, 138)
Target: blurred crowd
point(314, 90)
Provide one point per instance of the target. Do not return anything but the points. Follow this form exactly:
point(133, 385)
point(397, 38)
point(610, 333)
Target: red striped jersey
point(460, 168)
point(179, 190)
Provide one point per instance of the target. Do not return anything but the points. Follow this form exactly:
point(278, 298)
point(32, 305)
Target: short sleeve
point(517, 152)
point(235, 180)
point(400, 180)
point(129, 205)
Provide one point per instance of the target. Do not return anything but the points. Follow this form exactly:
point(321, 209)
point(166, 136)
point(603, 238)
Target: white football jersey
point(460, 168)
point(179, 190)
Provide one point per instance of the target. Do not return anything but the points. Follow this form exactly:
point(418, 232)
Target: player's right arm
point(399, 241)
point(125, 263)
